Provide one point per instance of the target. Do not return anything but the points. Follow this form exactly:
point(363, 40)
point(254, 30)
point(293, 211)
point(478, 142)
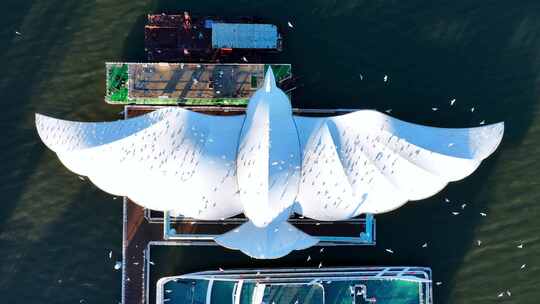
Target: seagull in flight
point(328, 168)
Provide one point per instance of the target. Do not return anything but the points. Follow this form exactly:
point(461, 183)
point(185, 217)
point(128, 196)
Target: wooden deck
point(137, 234)
point(314, 228)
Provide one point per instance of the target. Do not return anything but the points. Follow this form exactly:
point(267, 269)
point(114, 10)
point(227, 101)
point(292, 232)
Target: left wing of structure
point(170, 159)
point(368, 162)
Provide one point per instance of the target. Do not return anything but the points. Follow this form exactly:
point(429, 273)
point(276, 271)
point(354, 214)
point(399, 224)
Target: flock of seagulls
point(190, 155)
point(434, 109)
point(440, 283)
point(506, 293)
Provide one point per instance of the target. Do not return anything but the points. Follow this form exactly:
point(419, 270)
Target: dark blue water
point(56, 231)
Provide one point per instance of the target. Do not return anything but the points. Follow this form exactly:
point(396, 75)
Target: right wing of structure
point(171, 159)
point(369, 162)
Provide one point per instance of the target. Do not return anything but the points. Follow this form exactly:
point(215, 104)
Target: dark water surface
point(56, 231)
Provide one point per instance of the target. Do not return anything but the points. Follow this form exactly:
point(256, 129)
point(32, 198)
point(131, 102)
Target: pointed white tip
point(269, 80)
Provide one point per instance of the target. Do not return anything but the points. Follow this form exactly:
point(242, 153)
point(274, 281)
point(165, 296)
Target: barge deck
point(189, 84)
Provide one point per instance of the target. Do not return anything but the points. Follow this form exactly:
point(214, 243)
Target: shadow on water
point(24, 76)
point(58, 262)
point(133, 51)
point(69, 262)
point(483, 55)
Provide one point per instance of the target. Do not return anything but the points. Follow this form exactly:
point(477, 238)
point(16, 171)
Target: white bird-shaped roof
point(268, 164)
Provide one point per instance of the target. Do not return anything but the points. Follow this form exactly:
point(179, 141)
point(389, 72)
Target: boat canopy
point(244, 36)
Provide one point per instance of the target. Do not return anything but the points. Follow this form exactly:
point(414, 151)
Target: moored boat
point(410, 285)
point(186, 38)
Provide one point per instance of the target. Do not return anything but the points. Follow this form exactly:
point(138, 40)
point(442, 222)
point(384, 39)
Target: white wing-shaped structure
point(171, 159)
point(268, 164)
point(368, 162)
